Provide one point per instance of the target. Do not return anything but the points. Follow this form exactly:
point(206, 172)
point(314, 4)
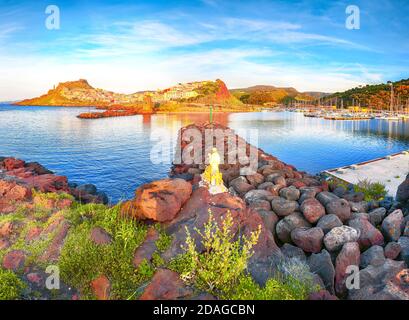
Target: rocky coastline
point(326, 227)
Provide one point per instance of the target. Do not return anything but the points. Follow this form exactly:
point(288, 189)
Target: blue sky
point(127, 46)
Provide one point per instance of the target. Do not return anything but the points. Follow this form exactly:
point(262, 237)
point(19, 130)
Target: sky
point(129, 46)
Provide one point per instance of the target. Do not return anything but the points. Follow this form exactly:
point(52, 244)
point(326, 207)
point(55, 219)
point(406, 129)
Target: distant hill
point(81, 93)
point(73, 93)
point(377, 96)
point(270, 95)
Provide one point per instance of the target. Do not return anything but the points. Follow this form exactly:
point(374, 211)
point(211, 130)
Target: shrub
point(221, 268)
point(223, 261)
point(372, 190)
point(11, 286)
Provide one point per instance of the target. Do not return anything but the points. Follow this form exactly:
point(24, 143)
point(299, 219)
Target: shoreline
point(299, 216)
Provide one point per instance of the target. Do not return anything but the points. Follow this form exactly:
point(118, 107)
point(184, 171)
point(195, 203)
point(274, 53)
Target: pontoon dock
point(390, 171)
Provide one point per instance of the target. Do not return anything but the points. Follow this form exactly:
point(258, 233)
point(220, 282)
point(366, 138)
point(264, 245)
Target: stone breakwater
point(328, 227)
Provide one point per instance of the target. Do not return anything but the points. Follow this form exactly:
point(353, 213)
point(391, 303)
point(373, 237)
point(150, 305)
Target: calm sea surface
point(116, 154)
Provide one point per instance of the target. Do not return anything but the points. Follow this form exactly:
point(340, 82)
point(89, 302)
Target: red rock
point(255, 179)
point(341, 208)
point(6, 229)
point(400, 283)
point(34, 277)
point(159, 200)
point(349, 256)
point(4, 244)
point(20, 173)
point(11, 191)
point(166, 285)
point(100, 236)
point(52, 253)
point(147, 248)
point(369, 235)
point(37, 168)
point(64, 204)
point(101, 287)
point(12, 163)
point(260, 205)
point(298, 184)
point(33, 234)
point(6, 207)
point(322, 295)
point(14, 260)
point(308, 239)
point(392, 250)
point(48, 183)
point(312, 210)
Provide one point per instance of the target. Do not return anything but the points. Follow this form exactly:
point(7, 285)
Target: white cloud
point(20, 76)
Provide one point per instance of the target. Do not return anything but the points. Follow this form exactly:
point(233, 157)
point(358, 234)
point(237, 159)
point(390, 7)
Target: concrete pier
point(390, 171)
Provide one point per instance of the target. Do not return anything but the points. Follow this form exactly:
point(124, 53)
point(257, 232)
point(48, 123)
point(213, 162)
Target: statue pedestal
point(213, 189)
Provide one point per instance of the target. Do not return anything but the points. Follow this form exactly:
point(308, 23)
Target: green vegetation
point(372, 190)
point(11, 286)
point(82, 260)
point(375, 96)
point(221, 268)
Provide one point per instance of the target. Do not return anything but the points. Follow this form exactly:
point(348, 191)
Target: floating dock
point(390, 171)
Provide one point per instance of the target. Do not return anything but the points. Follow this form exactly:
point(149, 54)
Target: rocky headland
point(307, 229)
point(188, 97)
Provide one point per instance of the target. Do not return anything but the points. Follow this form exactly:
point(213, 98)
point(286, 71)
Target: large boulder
point(326, 197)
point(376, 216)
point(160, 200)
point(283, 207)
point(288, 224)
point(290, 251)
point(321, 264)
point(308, 239)
point(255, 195)
point(255, 179)
point(349, 256)
point(166, 285)
point(339, 207)
point(404, 245)
point(369, 235)
point(241, 185)
point(392, 250)
point(329, 222)
point(373, 256)
point(337, 237)
point(392, 225)
point(312, 210)
point(291, 193)
point(388, 281)
point(402, 194)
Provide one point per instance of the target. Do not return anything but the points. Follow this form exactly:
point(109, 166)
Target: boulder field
point(18, 179)
point(300, 217)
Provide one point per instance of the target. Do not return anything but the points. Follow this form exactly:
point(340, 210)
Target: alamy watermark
point(353, 21)
point(52, 21)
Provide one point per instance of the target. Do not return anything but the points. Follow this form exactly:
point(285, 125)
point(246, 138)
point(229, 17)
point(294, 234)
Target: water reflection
point(115, 153)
